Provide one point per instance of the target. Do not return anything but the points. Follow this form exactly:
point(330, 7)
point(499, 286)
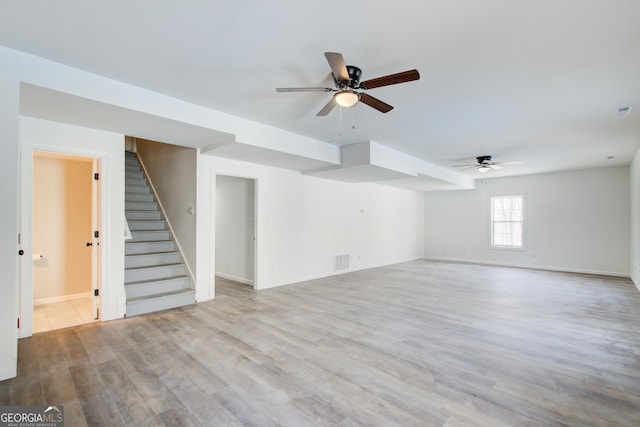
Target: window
point(507, 220)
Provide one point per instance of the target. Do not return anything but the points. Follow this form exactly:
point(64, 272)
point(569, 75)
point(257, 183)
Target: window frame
point(492, 222)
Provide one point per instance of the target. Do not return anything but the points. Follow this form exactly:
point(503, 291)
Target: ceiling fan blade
point(375, 103)
point(392, 79)
point(466, 167)
point(338, 67)
point(304, 89)
point(513, 162)
point(494, 166)
point(327, 108)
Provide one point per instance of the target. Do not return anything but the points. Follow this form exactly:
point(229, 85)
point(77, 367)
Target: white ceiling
point(536, 81)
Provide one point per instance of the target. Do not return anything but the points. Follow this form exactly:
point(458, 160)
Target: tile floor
point(48, 317)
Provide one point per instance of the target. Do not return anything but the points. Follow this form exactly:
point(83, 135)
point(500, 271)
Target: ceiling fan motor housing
point(483, 159)
point(354, 78)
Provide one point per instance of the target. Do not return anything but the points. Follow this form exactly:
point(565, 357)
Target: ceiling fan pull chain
point(355, 118)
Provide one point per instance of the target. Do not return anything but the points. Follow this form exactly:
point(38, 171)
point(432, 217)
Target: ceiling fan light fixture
point(346, 98)
point(484, 168)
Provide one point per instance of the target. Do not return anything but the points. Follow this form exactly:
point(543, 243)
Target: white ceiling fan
point(484, 164)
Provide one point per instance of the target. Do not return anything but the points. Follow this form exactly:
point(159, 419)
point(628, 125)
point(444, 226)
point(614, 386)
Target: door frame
point(26, 228)
point(255, 180)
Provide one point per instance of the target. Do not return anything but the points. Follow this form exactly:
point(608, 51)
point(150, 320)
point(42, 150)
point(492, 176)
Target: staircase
point(156, 277)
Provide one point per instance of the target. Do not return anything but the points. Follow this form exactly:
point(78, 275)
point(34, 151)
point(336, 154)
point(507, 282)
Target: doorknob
point(89, 244)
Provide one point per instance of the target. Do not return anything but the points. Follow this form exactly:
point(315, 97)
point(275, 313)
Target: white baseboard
point(235, 279)
point(340, 272)
point(61, 298)
point(533, 267)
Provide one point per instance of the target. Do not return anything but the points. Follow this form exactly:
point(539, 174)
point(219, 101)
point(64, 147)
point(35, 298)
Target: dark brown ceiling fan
point(348, 85)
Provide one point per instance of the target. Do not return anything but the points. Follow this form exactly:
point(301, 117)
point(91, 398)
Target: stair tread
point(153, 253)
point(173, 264)
point(162, 279)
point(160, 295)
point(134, 242)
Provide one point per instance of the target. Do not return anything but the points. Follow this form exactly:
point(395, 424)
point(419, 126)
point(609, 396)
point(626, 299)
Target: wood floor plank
point(131, 406)
point(418, 343)
point(97, 405)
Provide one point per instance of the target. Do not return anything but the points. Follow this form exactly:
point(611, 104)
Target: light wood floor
point(419, 343)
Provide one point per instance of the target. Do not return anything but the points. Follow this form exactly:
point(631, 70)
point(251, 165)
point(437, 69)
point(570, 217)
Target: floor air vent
point(341, 262)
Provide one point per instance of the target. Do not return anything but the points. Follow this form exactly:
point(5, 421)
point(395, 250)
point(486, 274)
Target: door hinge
point(96, 234)
point(96, 292)
point(18, 323)
point(96, 176)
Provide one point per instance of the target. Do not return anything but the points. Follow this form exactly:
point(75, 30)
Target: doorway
point(64, 241)
point(235, 229)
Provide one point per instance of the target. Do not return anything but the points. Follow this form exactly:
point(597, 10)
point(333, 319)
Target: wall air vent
point(341, 262)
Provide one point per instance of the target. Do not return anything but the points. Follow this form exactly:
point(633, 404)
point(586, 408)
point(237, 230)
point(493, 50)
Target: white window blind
point(507, 221)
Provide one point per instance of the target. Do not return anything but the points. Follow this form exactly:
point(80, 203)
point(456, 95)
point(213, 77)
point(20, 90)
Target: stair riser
point(154, 273)
point(143, 216)
point(129, 182)
point(162, 303)
point(148, 247)
point(141, 206)
point(156, 287)
point(147, 225)
point(131, 168)
point(149, 260)
point(136, 189)
point(138, 197)
point(150, 236)
point(133, 175)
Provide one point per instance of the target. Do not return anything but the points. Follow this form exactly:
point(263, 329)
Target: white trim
point(28, 151)
point(235, 279)
point(346, 271)
point(62, 298)
point(493, 245)
point(532, 267)
point(254, 283)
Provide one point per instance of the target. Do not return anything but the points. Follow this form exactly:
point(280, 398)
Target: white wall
point(62, 208)
point(44, 136)
point(575, 221)
point(304, 222)
point(235, 245)
point(9, 259)
point(635, 220)
point(172, 170)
